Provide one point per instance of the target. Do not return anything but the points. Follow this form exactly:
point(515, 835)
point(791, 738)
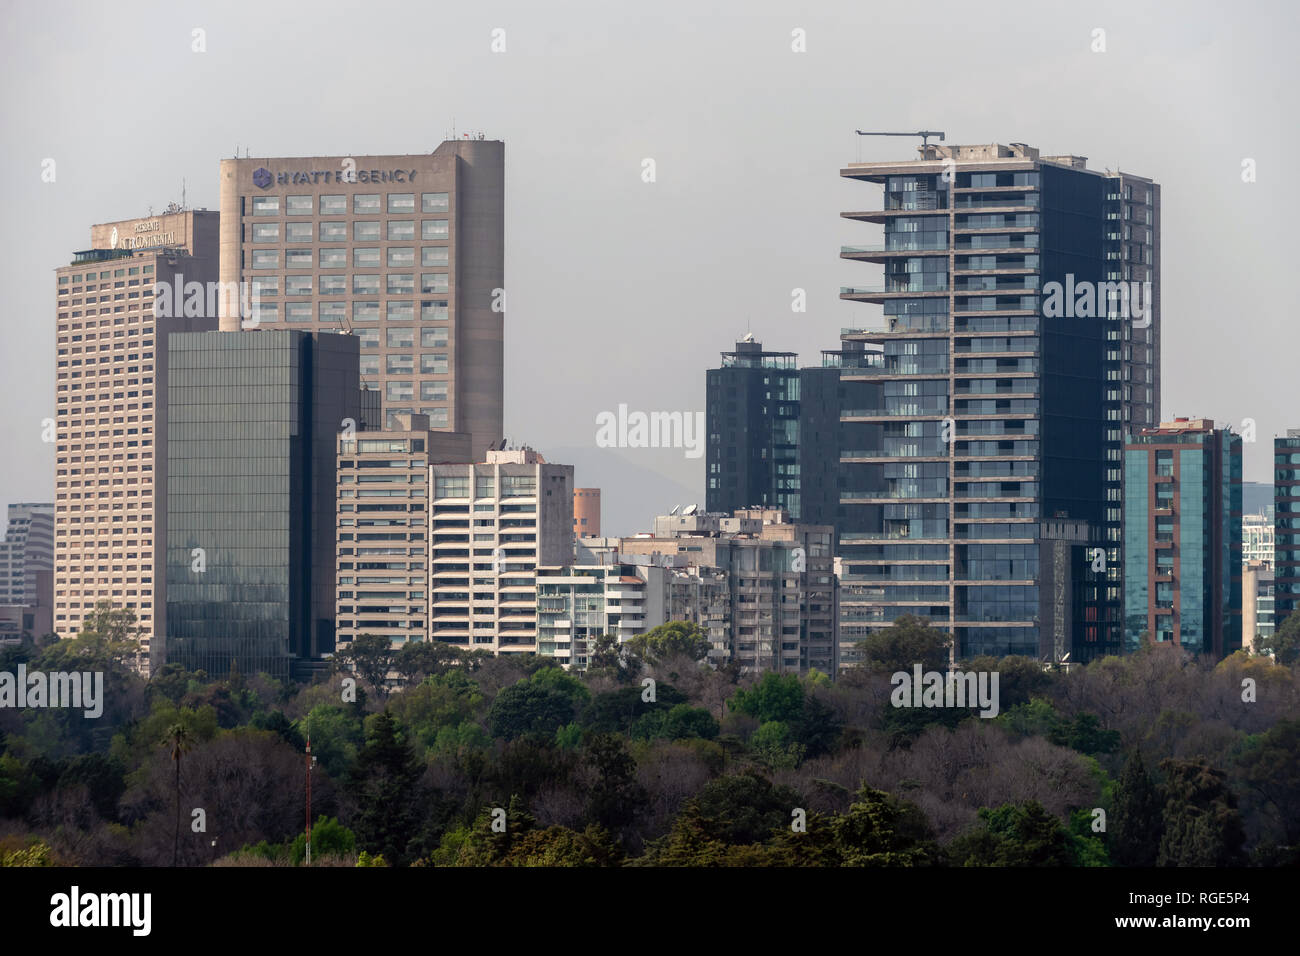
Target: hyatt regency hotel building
point(406, 252)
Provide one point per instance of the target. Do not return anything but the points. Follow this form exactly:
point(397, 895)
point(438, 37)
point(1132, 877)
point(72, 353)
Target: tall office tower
point(995, 393)
point(772, 435)
point(492, 525)
point(586, 512)
point(27, 547)
point(252, 420)
point(406, 251)
point(1182, 537)
point(783, 596)
point(1286, 524)
point(118, 303)
point(383, 527)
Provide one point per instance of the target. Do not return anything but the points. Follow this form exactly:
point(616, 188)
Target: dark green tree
point(908, 641)
point(383, 789)
point(882, 830)
point(670, 640)
point(1135, 822)
point(614, 797)
point(1014, 834)
point(1202, 826)
point(1284, 642)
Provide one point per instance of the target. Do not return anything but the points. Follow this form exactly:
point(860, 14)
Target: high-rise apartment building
point(252, 420)
point(1286, 524)
point(27, 547)
point(383, 527)
point(118, 302)
point(492, 524)
point(1182, 537)
point(406, 251)
point(1019, 337)
point(1257, 612)
point(782, 592)
point(1257, 539)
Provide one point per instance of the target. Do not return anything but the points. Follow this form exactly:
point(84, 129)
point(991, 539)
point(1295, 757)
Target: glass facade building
point(252, 419)
point(1286, 524)
point(1182, 537)
point(979, 419)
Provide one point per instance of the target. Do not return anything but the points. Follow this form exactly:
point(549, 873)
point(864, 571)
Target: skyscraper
point(1286, 528)
point(116, 309)
point(252, 422)
point(1019, 336)
point(27, 547)
point(1182, 537)
point(406, 251)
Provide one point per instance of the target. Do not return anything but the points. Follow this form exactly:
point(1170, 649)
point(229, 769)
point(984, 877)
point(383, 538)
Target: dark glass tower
point(982, 433)
point(253, 419)
point(1286, 525)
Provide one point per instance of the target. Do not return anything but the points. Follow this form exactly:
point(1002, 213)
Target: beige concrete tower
point(406, 252)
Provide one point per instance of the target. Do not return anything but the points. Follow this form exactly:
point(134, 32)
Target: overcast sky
point(623, 291)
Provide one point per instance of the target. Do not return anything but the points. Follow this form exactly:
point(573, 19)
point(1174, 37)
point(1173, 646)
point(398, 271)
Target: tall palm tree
point(181, 740)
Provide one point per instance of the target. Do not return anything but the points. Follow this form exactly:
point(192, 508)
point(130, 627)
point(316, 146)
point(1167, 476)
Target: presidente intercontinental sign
point(263, 178)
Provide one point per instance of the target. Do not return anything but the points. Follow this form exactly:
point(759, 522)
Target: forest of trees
point(429, 756)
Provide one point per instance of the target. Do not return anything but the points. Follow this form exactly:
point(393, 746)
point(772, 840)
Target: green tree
point(371, 657)
point(608, 658)
point(776, 697)
point(416, 660)
point(109, 639)
point(1270, 770)
point(1014, 834)
point(614, 797)
point(328, 837)
point(383, 787)
point(882, 830)
point(1202, 826)
point(181, 741)
point(530, 707)
point(910, 640)
point(670, 640)
point(1134, 825)
point(1284, 642)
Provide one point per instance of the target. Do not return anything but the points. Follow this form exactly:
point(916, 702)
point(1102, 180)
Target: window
point(401, 230)
point(518, 485)
point(298, 231)
point(401, 202)
point(399, 365)
point(433, 229)
point(297, 312)
point(365, 258)
point(399, 256)
point(433, 391)
point(399, 311)
point(399, 391)
point(266, 231)
point(333, 232)
point(369, 365)
point(401, 283)
point(433, 256)
point(268, 312)
point(434, 363)
point(400, 338)
point(297, 259)
point(331, 311)
point(365, 204)
point(451, 486)
point(267, 285)
point(434, 202)
point(365, 231)
point(297, 285)
point(333, 205)
point(369, 339)
point(365, 311)
point(266, 258)
point(434, 310)
point(433, 338)
point(433, 282)
point(297, 205)
point(333, 258)
point(266, 205)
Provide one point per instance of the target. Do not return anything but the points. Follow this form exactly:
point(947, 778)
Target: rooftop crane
point(925, 135)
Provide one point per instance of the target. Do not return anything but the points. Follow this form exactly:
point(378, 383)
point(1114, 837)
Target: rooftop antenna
point(182, 192)
point(925, 135)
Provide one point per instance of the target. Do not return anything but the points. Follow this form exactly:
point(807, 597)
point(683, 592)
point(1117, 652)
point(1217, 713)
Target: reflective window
point(401, 256)
point(399, 311)
point(365, 231)
point(433, 282)
point(401, 202)
point(333, 232)
point(401, 338)
point(297, 259)
point(297, 205)
point(433, 310)
point(297, 285)
point(400, 230)
point(333, 258)
point(298, 231)
point(401, 283)
point(266, 232)
point(433, 229)
point(266, 205)
point(365, 311)
point(365, 204)
point(266, 258)
point(433, 255)
point(365, 258)
point(365, 284)
point(333, 205)
point(433, 363)
point(297, 311)
point(433, 338)
point(434, 202)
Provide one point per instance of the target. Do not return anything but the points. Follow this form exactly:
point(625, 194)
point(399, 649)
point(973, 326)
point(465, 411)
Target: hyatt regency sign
point(263, 178)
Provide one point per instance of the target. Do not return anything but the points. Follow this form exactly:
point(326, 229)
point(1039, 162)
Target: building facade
point(1257, 539)
point(586, 512)
point(1182, 537)
point(406, 251)
point(252, 421)
point(1286, 524)
point(382, 527)
point(492, 524)
point(118, 303)
point(1019, 337)
point(27, 548)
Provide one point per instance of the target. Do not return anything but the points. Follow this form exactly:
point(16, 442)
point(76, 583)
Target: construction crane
point(925, 135)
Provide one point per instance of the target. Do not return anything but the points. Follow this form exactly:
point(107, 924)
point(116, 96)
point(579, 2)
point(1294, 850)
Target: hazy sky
point(623, 291)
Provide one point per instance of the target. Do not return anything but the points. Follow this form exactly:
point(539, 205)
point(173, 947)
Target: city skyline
point(653, 279)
